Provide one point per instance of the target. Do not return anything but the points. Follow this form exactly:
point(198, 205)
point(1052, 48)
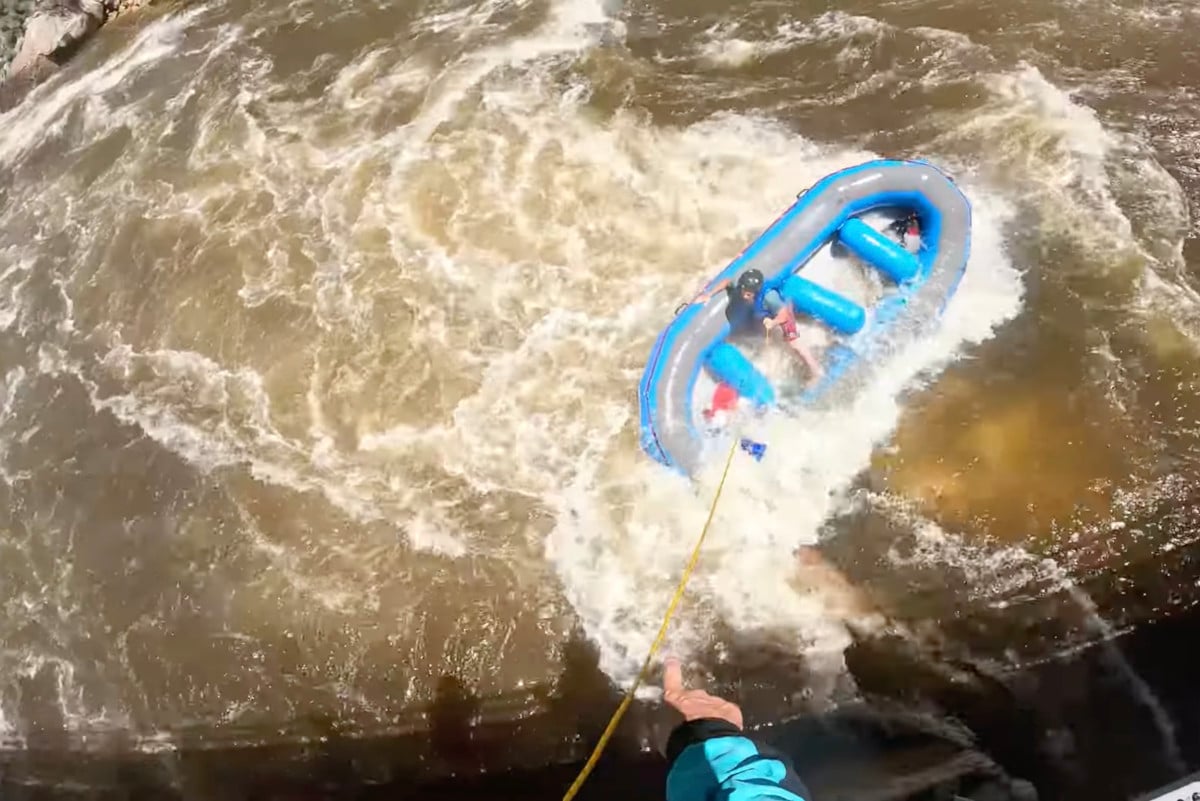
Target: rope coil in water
point(627, 701)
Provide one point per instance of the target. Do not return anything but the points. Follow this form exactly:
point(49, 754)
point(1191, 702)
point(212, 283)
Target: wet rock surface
point(38, 36)
point(914, 734)
point(13, 14)
point(55, 30)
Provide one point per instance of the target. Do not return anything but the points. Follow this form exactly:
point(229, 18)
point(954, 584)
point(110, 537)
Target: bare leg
point(810, 361)
point(844, 600)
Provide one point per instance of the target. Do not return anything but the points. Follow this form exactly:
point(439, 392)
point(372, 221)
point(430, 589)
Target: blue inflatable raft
point(852, 208)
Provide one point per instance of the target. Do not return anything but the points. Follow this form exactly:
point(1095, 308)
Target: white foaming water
point(1102, 189)
point(573, 27)
point(10, 385)
point(622, 204)
point(623, 530)
point(464, 19)
point(216, 416)
point(44, 111)
point(1059, 139)
point(989, 572)
point(1169, 14)
point(724, 45)
point(606, 224)
point(557, 241)
point(1039, 129)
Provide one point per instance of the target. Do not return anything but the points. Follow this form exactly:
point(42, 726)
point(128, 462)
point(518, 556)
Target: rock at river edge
point(55, 29)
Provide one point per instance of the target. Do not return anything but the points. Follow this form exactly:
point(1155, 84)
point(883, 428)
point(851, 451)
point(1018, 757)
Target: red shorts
point(788, 327)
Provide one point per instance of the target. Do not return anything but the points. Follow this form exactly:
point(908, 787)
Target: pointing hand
point(695, 704)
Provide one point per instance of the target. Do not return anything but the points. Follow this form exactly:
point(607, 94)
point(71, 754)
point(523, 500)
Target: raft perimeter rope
point(627, 701)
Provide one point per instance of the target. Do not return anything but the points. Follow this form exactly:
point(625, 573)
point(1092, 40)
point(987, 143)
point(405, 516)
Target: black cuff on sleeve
point(697, 731)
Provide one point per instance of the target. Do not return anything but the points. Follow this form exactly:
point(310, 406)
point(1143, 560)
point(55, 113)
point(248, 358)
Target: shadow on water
point(961, 712)
point(1061, 729)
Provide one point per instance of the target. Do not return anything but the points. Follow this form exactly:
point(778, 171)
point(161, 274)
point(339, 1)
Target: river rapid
point(321, 322)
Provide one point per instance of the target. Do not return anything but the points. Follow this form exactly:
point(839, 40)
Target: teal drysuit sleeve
point(711, 760)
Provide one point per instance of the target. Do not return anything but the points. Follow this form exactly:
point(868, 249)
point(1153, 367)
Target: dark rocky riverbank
point(1020, 736)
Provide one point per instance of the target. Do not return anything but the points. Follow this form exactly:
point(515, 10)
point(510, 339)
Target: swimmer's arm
point(712, 759)
point(785, 313)
point(781, 317)
point(707, 295)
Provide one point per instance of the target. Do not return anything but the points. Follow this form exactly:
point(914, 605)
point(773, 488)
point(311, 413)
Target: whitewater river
point(321, 322)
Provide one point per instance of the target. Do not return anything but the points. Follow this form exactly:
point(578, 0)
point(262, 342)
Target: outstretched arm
point(707, 295)
point(779, 309)
point(712, 760)
point(779, 318)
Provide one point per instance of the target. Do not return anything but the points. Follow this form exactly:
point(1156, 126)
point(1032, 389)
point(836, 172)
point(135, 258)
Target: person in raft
point(710, 757)
point(743, 309)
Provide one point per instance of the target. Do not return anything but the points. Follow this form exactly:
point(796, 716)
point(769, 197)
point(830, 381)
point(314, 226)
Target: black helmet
point(750, 281)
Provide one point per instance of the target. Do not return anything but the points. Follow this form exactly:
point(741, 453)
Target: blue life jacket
point(740, 314)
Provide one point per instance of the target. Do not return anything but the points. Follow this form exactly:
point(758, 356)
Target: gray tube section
point(848, 192)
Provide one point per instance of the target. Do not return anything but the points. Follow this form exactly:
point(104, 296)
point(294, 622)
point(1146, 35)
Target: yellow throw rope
point(658, 641)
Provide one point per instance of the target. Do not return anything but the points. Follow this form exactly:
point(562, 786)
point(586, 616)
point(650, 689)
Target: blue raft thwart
point(918, 284)
point(825, 305)
point(730, 366)
point(877, 250)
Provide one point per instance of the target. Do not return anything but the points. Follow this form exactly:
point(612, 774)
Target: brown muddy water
point(320, 325)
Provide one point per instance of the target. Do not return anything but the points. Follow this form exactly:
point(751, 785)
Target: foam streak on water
point(45, 110)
